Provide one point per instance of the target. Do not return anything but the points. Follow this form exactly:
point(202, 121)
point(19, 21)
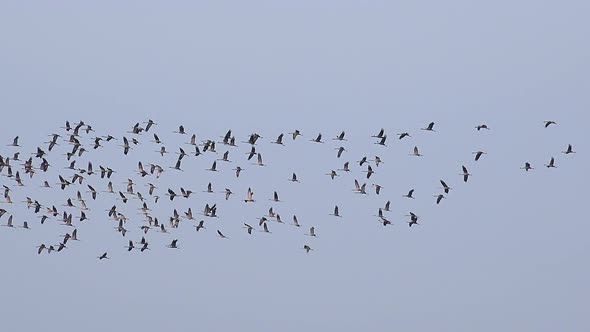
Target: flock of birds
point(79, 178)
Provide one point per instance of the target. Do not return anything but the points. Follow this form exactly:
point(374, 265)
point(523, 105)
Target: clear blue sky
point(508, 251)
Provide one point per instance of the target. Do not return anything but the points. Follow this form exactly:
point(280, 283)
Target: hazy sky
point(507, 251)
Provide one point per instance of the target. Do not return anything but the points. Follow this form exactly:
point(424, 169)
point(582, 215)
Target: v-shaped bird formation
point(93, 184)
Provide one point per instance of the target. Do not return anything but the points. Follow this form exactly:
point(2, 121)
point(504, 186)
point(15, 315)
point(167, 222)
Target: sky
point(507, 250)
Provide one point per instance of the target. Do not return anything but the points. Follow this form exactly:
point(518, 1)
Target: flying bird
point(14, 142)
point(382, 141)
point(380, 134)
point(180, 130)
point(429, 127)
point(377, 188)
point(478, 154)
point(295, 134)
point(527, 166)
point(403, 135)
point(336, 212)
point(569, 149)
point(465, 173)
point(200, 225)
point(340, 137)
point(549, 122)
point(409, 194)
point(249, 196)
point(279, 140)
point(318, 139)
point(41, 248)
point(445, 187)
point(248, 228)
point(265, 228)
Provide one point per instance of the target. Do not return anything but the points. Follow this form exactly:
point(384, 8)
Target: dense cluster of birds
point(87, 179)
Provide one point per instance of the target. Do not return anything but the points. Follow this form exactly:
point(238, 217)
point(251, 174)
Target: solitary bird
point(382, 141)
point(228, 193)
point(260, 163)
point(318, 139)
point(279, 140)
point(340, 137)
point(549, 122)
point(413, 219)
point(465, 173)
point(362, 161)
point(238, 170)
point(307, 248)
point(9, 222)
point(200, 225)
point(402, 135)
point(527, 166)
point(416, 152)
point(445, 187)
point(377, 161)
point(380, 134)
point(551, 163)
point(14, 142)
point(275, 197)
point(409, 194)
point(569, 149)
point(103, 256)
point(249, 196)
point(248, 228)
point(336, 212)
point(295, 134)
point(180, 130)
point(377, 188)
point(478, 154)
point(332, 174)
point(295, 221)
point(265, 228)
point(387, 206)
point(429, 127)
point(213, 167)
point(358, 188)
point(369, 171)
point(345, 167)
point(177, 166)
point(384, 221)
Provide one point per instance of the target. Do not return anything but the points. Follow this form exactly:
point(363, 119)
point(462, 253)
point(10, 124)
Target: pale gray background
point(507, 251)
